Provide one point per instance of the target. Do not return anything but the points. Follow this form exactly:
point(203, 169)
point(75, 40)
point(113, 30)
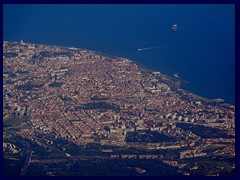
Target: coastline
point(177, 81)
point(94, 106)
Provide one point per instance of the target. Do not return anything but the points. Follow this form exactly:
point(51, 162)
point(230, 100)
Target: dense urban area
point(70, 111)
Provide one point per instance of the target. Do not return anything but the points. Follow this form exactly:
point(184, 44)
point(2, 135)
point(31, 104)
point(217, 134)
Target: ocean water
point(201, 51)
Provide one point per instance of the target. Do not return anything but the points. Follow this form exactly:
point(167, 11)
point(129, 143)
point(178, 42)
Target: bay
point(201, 51)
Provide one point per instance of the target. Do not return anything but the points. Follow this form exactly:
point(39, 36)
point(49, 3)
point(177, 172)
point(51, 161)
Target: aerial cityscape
point(67, 105)
point(118, 90)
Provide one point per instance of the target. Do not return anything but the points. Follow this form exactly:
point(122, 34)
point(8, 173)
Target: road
point(27, 162)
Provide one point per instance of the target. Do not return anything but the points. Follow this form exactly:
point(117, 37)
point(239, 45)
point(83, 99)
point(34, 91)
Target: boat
point(176, 75)
point(174, 27)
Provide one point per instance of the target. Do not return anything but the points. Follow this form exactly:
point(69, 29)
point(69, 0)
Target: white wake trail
point(182, 45)
point(155, 47)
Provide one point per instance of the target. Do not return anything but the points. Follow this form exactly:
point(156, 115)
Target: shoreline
point(141, 68)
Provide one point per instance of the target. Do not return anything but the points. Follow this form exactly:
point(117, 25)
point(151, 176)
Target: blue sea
point(201, 51)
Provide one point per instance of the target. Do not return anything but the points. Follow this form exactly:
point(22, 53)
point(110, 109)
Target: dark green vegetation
point(101, 105)
point(9, 55)
point(9, 82)
point(219, 165)
point(63, 54)
point(46, 53)
point(84, 161)
point(22, 72)
point(11, 74)
point(148, 136)
point(214, 147)
point(28, 86)
point(75, 150)
point(52, 54)
point(12, 120)
point(204, 132)
point(56, 84)
point(95, 98)
point(122, 167)
point(12, 167)
point(103, 167)
point(91, 161)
